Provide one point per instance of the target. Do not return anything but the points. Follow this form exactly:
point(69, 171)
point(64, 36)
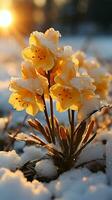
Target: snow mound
point(9, 159)
point(75, 184)
point(15, 186)
point(104, 136)
point(92, 152)
point(31, 153)
point(81, 184)
point(109, 161)
point(46, 168)
point(97, 149)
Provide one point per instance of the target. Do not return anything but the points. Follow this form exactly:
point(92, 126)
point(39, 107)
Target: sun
point(5, 18)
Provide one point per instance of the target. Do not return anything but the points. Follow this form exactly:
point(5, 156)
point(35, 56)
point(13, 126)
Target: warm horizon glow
point(40, 3)
point(5, 18)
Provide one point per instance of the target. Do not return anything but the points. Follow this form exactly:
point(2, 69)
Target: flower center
point(40, 53)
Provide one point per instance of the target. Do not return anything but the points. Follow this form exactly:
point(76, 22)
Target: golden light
point(6, 18)
point(60, 2)
point(40, 3)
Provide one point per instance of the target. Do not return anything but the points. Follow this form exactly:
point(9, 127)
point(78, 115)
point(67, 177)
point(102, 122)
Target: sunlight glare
point(5, 18)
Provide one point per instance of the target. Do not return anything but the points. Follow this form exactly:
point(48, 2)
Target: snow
point(97, 149)
point(92, 152)
point(77, 184)
point(19, 145)
point(31, 153)
point(46, 168)
point(81, 184)
point(100, 45)
point(12, 160)
point(109, 161)
point(104, 135)
point(9, 160)
point(3, 121)
point(15, 186)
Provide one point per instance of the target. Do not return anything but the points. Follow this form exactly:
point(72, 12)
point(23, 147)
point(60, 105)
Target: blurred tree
point(51, 14)
point(100, 11)
point(66, 15)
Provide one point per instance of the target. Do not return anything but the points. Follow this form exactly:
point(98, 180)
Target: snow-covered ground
point(100, 45)
point(76, 184)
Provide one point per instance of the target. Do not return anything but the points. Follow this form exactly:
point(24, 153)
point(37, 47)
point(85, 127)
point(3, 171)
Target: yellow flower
point(80, 56)
point(62, 61)
point(83, 62)
point(90, 102)
point(101, 81)
point(65, 52)
point(73, 93)
point(66, 71)
point(64, 68)
point(83, 82)
point(42, 49)
point(28, 71)
point(66, 97)
point(27, 91)
point(101, 77)
point(91, 64)
point(53, 35)
point(94, 70)
point(29, 103)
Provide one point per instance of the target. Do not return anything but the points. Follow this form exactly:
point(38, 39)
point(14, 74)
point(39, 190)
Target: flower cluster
point(57, 72)
point(92, 67)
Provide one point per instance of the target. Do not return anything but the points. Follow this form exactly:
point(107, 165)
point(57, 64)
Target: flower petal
point(65, 96)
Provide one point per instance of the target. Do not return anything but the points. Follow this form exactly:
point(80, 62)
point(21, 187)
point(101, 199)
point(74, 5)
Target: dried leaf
point(56, 122)
point(53, 151)
point(62, 133)
point(89, 131)
point(26, 138)
point(64, 140)
point(38, 126)
point(38, 139)
point(79, 151)
point(78, 135)
point(48, 133)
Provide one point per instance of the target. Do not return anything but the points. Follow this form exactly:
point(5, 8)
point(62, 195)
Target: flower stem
point(47, 117)
point(72, 122)
point(72, 130)
point(69, 117)
point(51, 109)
